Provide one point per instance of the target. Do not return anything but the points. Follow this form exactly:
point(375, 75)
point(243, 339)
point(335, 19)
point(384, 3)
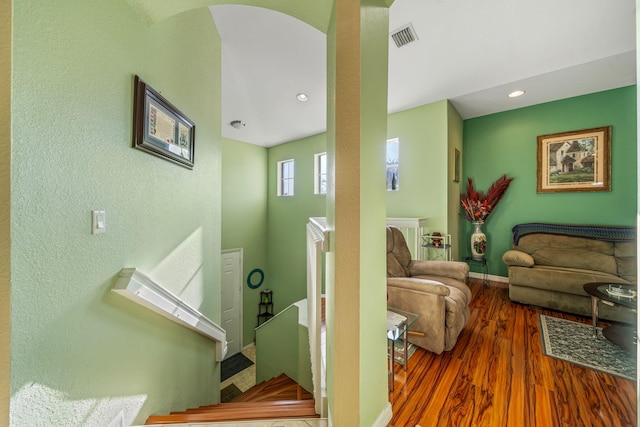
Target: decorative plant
point(477, 205)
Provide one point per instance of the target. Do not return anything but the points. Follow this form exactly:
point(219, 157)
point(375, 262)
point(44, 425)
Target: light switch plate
point(98, 225)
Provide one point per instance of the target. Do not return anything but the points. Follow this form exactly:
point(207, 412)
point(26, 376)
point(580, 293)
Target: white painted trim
point(320, 231)
point(384, 417)
point(491, 277)
point(280, 177)
point(241, 297)
point(140, 288)
point(316, 173)
point(407, 222)
point(248, 346)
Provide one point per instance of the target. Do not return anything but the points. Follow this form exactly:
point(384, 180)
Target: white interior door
point(232, 299)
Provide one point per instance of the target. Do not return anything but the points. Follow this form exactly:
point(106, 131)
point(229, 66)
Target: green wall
point(287, 219)
point(79, 353)
point(425, 134)
point(455, 126)
point(5, 212)
point(422, 170)
point(244, 218)
point(493, 145)
point(506, 143)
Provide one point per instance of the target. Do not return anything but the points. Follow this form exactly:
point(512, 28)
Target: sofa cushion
point(518, 258)
point(625, 253)
point(398, 254)
point(416, 284)
point(453, 269)
point(571, 252)
point(569, 303)
point(394, 268)
point(566, 280)
point(449, 283)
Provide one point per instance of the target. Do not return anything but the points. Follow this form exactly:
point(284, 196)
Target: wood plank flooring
point(497, 376)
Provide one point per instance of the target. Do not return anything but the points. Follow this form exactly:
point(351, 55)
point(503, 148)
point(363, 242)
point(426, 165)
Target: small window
point(285, 178)
point(393, 146)
point(320, 173)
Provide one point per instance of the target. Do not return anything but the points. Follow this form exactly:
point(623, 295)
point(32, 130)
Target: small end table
point(617, 334)
point(485, 268)
point(398, 323)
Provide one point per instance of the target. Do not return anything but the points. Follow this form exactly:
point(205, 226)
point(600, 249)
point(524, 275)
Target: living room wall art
point(575, 161)
point(456, 165)
point(393, 147)
point(159, 128)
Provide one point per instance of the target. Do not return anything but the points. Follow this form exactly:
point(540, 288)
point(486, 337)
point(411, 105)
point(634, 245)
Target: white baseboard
point(384, 417)
point(382, 421)
point(491, 277)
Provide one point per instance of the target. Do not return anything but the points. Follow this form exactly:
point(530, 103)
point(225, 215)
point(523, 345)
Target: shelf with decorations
point(436, 246)
point(265, 306)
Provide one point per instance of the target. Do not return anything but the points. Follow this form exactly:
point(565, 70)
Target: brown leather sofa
point(435, 290)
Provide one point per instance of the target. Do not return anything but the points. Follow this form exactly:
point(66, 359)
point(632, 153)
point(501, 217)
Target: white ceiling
point(471, 52)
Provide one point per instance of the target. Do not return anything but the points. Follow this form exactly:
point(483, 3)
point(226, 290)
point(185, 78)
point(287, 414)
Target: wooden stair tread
point(278, 388)
point(240, 412)
point(277, 398)
point(253, 406)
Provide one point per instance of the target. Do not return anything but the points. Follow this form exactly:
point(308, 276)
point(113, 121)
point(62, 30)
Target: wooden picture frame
point(575, 161)
point(161, 129)
point(455, 168)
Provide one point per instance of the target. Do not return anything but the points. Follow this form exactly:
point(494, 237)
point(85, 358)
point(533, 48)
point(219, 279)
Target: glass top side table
point(398, 323)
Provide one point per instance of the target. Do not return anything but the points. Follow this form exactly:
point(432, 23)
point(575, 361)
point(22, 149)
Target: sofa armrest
point(453, 269)
point(421, 285)
point(517, 258)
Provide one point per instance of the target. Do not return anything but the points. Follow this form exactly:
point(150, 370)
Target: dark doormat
point(229, 393)
point(233, 365)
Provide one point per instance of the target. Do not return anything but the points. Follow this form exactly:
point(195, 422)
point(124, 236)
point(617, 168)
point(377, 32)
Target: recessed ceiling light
point(516, 93)
point(302, 97)
point(238, 124)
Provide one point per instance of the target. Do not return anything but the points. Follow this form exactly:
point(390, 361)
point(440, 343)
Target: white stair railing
point(140, 288)
point(317, 242)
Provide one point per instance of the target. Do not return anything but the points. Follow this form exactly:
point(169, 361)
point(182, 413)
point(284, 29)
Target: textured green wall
point(79, 353)
point(282, 346)
point(506, 143)
point(424, 176)
point(5, 212)
point(244, 218)
point(423, 166)
point(315, 13)
point(288, 216)
point(455, 126)
point(374, 42)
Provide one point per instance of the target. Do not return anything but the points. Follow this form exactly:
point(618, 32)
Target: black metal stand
point(485, 268)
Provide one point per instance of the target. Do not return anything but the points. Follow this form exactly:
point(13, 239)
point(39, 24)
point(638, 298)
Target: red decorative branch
point(477, 205)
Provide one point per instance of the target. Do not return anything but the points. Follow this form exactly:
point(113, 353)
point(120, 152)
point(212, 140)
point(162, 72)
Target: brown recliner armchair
point(435, 290)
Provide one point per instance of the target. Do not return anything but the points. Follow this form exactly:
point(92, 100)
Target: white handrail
point(140, 288)
point(317, 242)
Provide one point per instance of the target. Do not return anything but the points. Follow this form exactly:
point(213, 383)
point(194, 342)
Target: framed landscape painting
point(575, 161)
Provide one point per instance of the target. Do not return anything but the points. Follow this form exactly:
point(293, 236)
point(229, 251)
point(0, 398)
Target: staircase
point(278, 398)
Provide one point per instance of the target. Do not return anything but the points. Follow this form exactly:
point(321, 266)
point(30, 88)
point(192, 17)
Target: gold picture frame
point(575, 161)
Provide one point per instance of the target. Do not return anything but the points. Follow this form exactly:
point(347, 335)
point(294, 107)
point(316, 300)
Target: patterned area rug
point(573, 342)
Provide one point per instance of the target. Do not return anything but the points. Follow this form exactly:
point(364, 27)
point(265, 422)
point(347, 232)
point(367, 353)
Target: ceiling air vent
point(404, 35)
